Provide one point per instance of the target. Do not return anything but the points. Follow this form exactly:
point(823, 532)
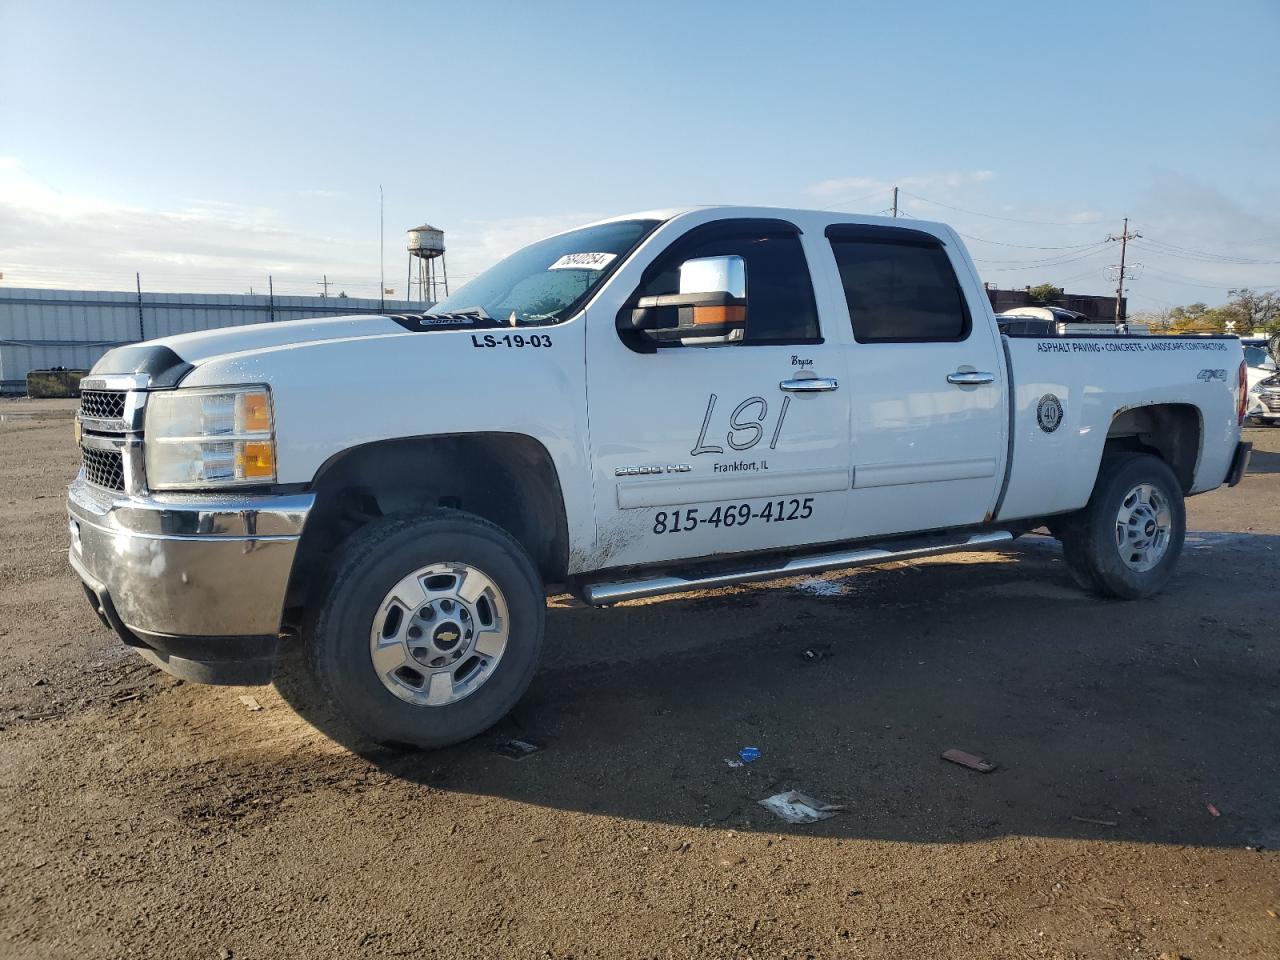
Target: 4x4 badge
point(1049, 413)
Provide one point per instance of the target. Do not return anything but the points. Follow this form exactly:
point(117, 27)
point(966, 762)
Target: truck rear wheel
point(431, 629)
point(1126, 542)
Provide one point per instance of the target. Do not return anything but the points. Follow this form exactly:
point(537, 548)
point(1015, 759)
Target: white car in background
point(1264, 384)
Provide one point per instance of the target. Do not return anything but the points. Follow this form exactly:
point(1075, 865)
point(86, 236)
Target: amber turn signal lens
point(728, 314)
point(255, 413)
point(257, 460)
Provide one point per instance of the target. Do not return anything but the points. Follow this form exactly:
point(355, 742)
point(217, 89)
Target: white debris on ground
point(795, 807)
point(818, 587)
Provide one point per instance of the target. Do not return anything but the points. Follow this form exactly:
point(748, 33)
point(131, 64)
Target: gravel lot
point(144, 817)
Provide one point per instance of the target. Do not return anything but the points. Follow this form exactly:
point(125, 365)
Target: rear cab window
point(899, 285)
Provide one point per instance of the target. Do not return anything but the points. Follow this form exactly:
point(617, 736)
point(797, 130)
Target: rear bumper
point(196, 584)
point(1239, 463)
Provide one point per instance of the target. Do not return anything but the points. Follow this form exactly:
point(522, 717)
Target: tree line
point(1246, 312)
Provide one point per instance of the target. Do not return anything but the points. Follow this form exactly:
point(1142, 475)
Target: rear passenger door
point(926, 382)
point(698, 449)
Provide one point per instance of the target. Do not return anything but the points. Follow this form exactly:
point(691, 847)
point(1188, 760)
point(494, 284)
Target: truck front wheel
point(1126, 542)
point(431, 628)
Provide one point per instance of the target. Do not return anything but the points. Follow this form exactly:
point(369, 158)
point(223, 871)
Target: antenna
point(382, 242)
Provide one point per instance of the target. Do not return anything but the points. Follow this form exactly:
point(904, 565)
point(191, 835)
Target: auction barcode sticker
point(584, 261)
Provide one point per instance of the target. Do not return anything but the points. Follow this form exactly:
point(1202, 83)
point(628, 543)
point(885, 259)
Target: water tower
point(426, 246)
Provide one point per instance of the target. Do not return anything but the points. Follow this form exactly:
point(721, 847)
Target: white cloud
point(20, 189)
point(478, 244)
point(50, 238)
point(54, 238)
point(849, 186)
point(1085, 216)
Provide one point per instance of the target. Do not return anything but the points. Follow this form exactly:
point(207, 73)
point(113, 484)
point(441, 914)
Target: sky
point(208, 146)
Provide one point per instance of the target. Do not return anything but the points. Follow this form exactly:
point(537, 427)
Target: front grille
point(1271, 401)
point(103, 468)
point(102, 404)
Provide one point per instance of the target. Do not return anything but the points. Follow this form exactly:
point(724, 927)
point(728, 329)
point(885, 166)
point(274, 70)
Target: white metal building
point(44, 329)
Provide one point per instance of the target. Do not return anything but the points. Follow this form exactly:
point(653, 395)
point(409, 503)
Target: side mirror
point(711, 306)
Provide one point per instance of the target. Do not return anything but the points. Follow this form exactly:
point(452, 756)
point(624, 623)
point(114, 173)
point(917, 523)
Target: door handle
point(969, 378)
point(810, 384)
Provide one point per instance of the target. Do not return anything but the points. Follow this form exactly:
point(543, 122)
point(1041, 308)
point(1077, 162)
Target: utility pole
point(1124, 238)
point(895, 202)
point(324, 283)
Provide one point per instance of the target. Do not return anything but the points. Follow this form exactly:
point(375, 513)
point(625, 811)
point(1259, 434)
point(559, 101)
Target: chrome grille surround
point(112, 404)
point(110, 417)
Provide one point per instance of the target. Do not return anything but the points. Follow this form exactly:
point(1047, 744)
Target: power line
point(992, 216)
point(1080, 276)
point(1024, 246)
point(1035, 263)
point(1147, 296)
point(1042, 262)
point(1208, 285)
point(1200, 256)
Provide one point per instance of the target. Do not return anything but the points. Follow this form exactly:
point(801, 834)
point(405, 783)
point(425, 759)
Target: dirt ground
point(144, 817)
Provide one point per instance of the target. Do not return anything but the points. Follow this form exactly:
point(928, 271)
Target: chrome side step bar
point(602, 594)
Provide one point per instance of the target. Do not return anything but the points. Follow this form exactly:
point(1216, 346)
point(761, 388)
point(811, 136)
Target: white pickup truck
point(655, 403)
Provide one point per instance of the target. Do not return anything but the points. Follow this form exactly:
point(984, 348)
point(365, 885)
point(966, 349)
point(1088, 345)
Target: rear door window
point(899, 285)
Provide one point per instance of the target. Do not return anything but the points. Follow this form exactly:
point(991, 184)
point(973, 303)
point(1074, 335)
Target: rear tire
point(1126, 542)
point(430, 630)
point(1073, 555)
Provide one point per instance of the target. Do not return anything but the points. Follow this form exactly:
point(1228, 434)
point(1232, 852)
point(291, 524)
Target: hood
point(167, 359)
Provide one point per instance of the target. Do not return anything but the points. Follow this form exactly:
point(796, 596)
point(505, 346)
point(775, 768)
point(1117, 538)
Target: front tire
point(431, 628)
point(1126, 542)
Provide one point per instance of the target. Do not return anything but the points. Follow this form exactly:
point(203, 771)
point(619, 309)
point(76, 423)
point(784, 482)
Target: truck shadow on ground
point(1112, 720)
point(1262, 461)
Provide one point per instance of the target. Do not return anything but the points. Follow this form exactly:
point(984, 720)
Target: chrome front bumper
point(195, 582)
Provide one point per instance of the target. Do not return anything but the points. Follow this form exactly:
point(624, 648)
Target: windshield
point(544, 281)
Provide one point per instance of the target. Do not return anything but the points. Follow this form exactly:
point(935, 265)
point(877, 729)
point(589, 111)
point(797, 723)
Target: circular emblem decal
point(1049, 413)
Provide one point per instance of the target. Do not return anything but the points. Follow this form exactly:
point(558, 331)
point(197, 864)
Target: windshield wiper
point(478, 312)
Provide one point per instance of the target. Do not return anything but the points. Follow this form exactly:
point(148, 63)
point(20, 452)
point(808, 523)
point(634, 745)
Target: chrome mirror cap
point(714, 275)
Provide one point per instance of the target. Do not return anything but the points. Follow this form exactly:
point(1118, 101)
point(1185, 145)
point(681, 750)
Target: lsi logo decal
point(746, 425)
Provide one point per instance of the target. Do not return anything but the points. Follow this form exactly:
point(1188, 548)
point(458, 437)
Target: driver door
point(704, 449)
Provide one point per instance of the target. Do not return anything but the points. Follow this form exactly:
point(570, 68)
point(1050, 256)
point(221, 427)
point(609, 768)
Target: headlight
point(210, 438)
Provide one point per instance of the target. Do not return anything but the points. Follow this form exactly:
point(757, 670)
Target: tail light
point(1242, 394)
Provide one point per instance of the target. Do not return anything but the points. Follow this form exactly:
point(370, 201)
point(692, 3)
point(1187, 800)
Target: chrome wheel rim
point(439, 634)
point(1144, 525)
